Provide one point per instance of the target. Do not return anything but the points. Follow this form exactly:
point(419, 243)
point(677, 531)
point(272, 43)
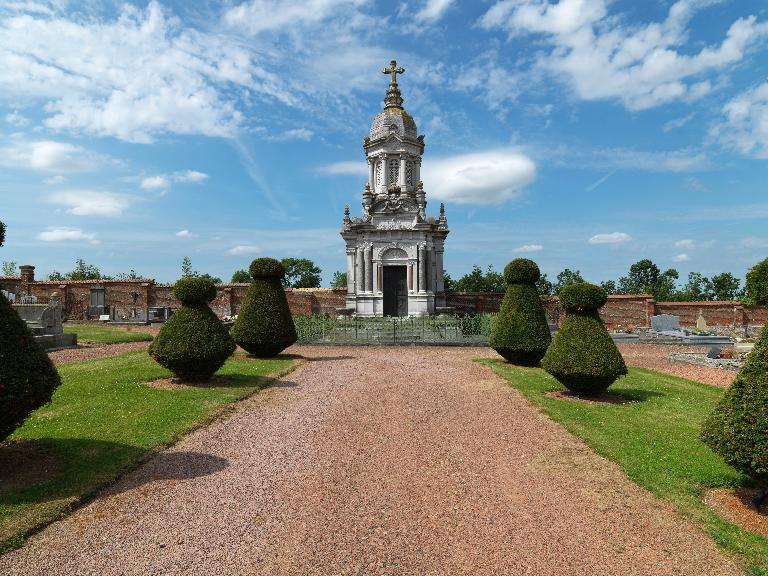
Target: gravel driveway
point(376, 461)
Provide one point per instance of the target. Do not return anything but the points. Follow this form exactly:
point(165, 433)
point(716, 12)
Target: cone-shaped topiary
point(582, 355)
point(520, 332)
point(738, 427)
point(264, 325)
point(193, 343)
point(27, 376)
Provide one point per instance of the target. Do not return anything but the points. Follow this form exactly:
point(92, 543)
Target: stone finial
point(346, 212)
point(442, 209)
point(393, 99)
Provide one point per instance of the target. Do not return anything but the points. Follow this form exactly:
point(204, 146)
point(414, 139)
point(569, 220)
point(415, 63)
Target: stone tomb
point(45, 322)
point(394, 250)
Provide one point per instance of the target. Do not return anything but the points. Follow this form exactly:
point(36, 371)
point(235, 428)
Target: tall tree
point(609, 286)
point(698, 288)
point(186, 268)
point(301, 273)
point(240, 276)
point(448, 282)
point(725, 286)
point(757, 283)
point(544, 287)
point(566, 278)
point(82, 271)
point(339, 280)
point(477, 281)
point(646, 278)
point(9, 268)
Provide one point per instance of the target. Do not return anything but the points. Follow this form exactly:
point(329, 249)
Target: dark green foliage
point(757, 283)
point(521, 333)
point(264, 326)
point(738, 427)
point(582, 355)
point(193, 343)
point(301, 273)
point(339, 280)
point(240, 276)
point(566, 278)
point(27, 376)
point(477, 281)
point(194, 290)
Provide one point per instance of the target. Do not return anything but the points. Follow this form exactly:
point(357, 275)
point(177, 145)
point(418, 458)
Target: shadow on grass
point(73, 468)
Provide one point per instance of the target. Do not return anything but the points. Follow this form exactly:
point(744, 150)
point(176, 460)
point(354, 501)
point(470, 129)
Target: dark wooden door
point(395, 291)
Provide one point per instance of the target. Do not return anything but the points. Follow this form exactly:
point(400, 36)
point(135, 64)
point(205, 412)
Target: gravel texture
point(654, 357)
point(89, 352)
point(376, 461)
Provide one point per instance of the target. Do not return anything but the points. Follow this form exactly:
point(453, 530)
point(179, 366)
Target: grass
point(89, 334)
point(102, 422)
point(655, 442)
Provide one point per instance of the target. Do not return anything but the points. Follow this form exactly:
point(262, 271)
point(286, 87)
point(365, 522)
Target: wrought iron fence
point(465, 330)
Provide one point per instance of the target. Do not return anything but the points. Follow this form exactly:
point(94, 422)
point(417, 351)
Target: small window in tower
point(394, 170)
point(379, 175)
point(409, 173)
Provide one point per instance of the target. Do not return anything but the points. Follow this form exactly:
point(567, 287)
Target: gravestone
point(701, 324)
point(665, 323)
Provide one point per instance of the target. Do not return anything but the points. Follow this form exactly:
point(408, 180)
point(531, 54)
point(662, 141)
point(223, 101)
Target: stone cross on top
point(394, 70)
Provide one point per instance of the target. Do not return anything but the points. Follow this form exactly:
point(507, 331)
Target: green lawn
point(655, 441)
point(89, 334)
point(103, 421)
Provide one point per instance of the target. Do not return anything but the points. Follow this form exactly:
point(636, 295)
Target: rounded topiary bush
point(27, 376)
point(738, 427)
point(264, 325)
point(193, 343)
point(582, 356)
point(521, 333)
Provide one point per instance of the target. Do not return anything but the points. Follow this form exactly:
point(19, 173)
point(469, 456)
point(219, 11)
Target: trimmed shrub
point(582, 356)
point(737, 429)
point(521, 333)
point(264, 326)
point(193, 343)
point(27, 377)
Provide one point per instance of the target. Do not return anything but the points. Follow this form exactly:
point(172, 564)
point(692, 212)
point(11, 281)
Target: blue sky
point(585, 134)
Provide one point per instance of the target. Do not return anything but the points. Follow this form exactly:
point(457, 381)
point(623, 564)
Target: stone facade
point(394, 250)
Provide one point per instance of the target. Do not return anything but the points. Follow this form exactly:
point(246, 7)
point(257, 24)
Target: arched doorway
point(394, 282)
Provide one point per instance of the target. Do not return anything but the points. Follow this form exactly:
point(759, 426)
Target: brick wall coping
point(10, 277)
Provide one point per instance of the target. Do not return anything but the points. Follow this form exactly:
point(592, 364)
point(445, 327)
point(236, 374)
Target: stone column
point(350, 271)
point(401, 173)
point(385, 175)
point(379, 274)
point(422, 268)
point(372, 173)
point(369, 269)
point(360, 271)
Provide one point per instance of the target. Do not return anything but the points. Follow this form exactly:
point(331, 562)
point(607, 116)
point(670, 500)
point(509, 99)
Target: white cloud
point(685, 244)
point(295, 134)
point(243, 250)
point(155, 183)
point(90, 202)
point(610, 238)
point(683, 160)
point(487, 177)
point(258, 16)
point(16, 119)
point(529, 248)
point(681, 258)
point(49, 156)
point(677, 123)
point(54, 180)
point(190, 176)
point(185, 234)
point(744, 127)
point(350, 168)
point(604, 58)
point(67, 235)
point(754, 242)
point(432, 10)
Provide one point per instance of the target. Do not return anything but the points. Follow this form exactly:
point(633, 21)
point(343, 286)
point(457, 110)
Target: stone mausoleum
point(394, 250)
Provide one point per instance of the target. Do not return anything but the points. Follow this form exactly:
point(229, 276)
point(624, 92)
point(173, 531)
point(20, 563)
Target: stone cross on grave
point(393, 71)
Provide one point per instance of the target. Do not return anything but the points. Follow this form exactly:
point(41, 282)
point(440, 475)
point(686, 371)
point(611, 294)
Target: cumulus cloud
point(350, 168)
point(259, 16)
point(49, 156)
point(243, 250)
point(191, 176)
point(610, 238)
point(529, 248)
point(67, 235)
point(16, 119)
point(432, 10)
point(603, 57)
point(744, 126)
point(90, 202)
point(681, 258)
point(488, 177)
point(185, 234)
point(155, 183)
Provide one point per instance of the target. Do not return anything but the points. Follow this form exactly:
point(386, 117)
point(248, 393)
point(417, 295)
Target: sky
point(584, 134)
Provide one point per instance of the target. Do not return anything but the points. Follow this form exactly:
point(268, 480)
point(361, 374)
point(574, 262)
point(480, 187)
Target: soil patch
point(604, 398)
point(24, 464)
point(736, 505)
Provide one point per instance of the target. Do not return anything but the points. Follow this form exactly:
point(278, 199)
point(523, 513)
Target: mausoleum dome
point(395, 120)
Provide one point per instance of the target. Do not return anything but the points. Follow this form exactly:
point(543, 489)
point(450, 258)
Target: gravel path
point(376, 461)
point(89, 352)
point(654, 357)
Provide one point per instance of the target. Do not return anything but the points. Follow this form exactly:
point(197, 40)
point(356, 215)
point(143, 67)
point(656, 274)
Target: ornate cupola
point(394, 251)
